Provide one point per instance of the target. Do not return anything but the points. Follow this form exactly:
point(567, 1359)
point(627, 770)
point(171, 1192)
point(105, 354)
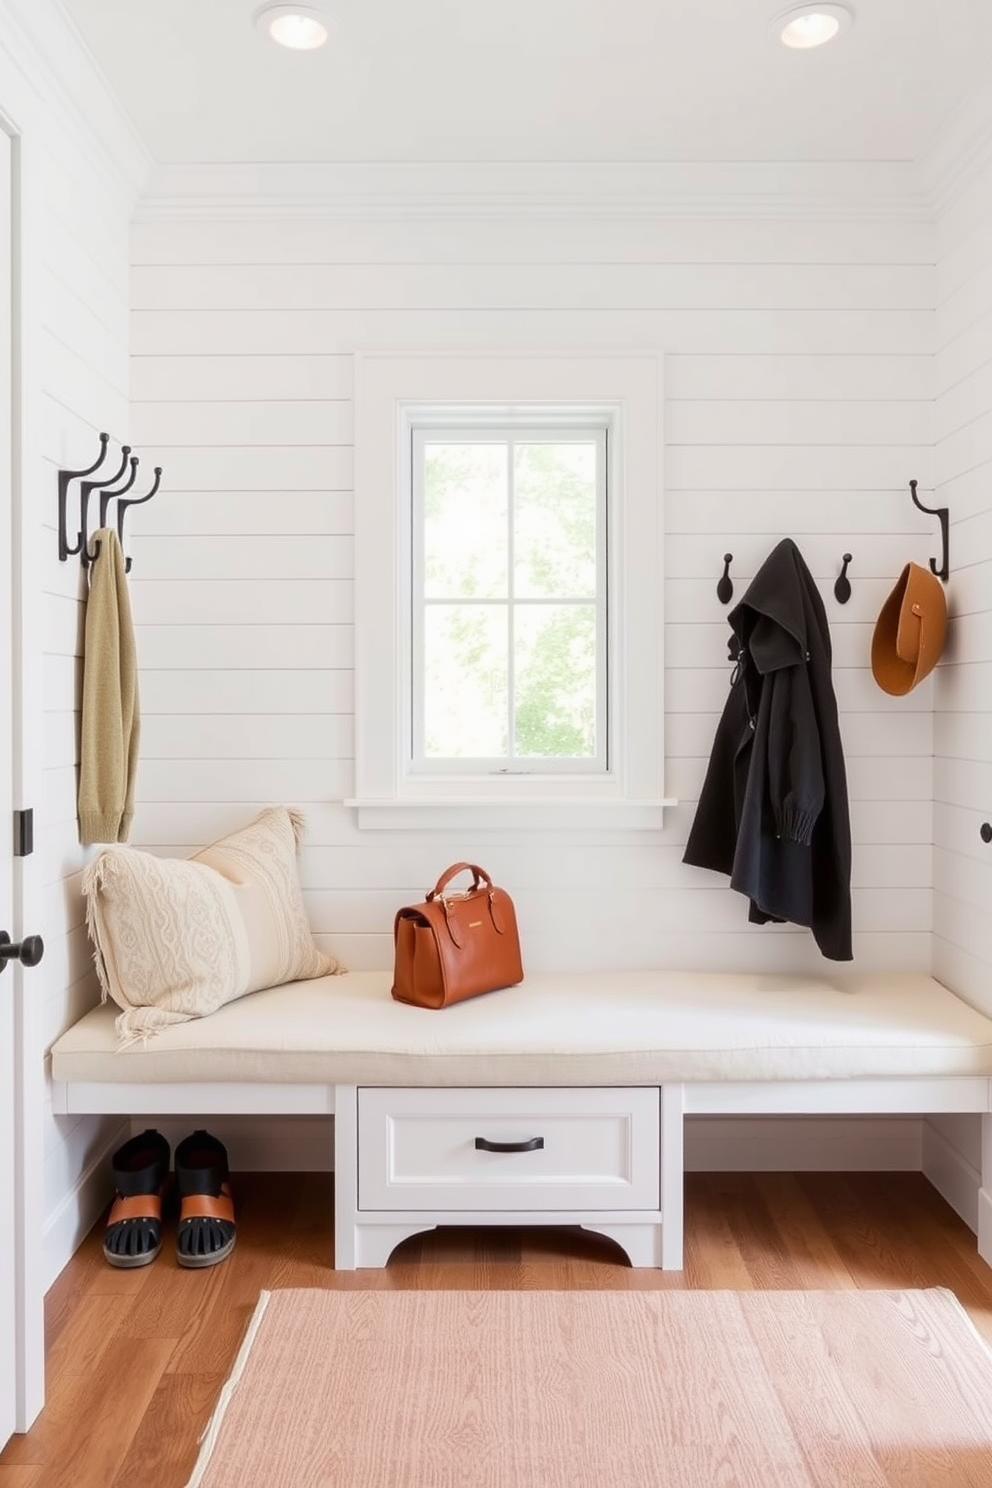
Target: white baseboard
point(952, 1175)
point(66, 1227)
point(305, 1144)
point(802, 1144)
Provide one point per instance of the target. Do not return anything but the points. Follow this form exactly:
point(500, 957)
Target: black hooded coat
point(773, 811)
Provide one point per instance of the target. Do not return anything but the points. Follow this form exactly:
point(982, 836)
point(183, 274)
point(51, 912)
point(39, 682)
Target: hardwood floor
point(136, 1358)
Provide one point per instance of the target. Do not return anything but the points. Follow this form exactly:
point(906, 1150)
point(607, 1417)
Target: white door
point(10, 972)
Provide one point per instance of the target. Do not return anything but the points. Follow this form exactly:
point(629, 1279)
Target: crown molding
point(45, 45)
point(959, 152)
point(456, 191)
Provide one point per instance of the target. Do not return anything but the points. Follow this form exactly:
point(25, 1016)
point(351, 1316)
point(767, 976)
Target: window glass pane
point(465, 526)
point(555, 520)
point(555, 674)
point(465, 681)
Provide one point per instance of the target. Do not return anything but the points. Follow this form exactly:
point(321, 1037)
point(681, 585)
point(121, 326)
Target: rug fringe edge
point(212, 1430)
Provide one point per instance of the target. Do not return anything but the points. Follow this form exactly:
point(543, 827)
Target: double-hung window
point(508, 590)
point(509, 599)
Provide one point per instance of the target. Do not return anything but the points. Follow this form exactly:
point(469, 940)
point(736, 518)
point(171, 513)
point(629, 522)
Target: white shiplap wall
point(963, 765)
point(81, 170)
point(799, 385)
point(963, 723)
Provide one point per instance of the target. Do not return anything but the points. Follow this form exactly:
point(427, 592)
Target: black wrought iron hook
point(842, 588)
point(943, 572)
point(65, 476)
point(725, 585)
point(106, 497)
point(135, 501)
point(86, 489)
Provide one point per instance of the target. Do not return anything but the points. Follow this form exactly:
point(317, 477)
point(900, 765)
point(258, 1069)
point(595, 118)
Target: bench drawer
point(581, 1148)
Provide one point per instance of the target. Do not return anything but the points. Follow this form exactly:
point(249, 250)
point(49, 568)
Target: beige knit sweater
point(108, 750)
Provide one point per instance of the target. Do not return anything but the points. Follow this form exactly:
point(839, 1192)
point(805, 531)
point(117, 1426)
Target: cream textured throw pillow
point(176, 938)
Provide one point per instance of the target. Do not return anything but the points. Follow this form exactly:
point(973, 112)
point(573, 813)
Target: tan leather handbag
point(456, 944)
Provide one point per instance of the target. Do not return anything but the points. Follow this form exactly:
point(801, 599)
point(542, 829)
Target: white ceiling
point(538, 80)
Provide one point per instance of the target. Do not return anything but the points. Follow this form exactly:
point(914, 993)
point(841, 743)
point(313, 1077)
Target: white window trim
point(388, 388)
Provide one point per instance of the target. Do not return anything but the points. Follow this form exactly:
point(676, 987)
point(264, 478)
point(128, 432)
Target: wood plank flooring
point(136, 1358)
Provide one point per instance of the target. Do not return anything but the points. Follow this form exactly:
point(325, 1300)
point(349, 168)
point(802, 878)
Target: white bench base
point(366, 1238)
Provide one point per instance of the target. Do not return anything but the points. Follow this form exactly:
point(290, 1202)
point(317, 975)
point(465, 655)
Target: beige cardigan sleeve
point(108, 750)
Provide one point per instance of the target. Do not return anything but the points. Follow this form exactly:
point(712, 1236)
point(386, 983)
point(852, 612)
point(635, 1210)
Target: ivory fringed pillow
point(177, 938)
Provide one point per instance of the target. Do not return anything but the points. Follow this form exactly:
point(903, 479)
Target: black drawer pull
point(483, 1144)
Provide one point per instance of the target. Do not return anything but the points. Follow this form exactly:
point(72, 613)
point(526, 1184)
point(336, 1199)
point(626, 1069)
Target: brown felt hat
point(909, 632)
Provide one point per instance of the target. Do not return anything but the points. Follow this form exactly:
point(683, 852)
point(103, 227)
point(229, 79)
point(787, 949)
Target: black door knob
point(28, 951)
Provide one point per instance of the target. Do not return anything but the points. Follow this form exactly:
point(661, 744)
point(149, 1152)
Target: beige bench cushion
point(587, 1028)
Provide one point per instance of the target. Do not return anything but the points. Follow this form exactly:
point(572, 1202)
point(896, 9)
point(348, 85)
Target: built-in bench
point(560, 1101)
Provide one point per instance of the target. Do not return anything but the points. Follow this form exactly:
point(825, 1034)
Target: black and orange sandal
point(134, 1224)
point(207, 1230)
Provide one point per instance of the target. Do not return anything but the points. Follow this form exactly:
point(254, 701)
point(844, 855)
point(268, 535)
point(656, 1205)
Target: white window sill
point(551, 813)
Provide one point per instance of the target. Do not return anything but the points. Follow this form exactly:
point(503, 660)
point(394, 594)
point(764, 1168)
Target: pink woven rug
point(840, 1389)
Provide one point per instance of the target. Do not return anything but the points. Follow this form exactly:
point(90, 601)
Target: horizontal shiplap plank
point(272, 557)
point(96, 394)
point(963, 878)
point(58, 794)
point(964, 239)
point(61, 682)
point(695, 600)
point(60, 744)
point(881, 557)
point(791, 378)
point(970, 302)
point(70, 319)
point(325, 332)
point(244, 647)
point(766, 948)
point(260, 468)
point(278, 780)
point(964, 783)
point(259, 691)
point(867, 779)
point(809, 422)
point(965, 354)
point(243, 423)
point(219, 513)
point(957, 829)
point(166, 379)
point(704, 643)
point(797, 468)
point(963, 925)
point(241, 601)
point(598, 286)
point(968, 448)
point(961, 735)
point(959, 406)
point(247, 736)
point(967, 975)
point(707, 911)
point(63, 625)
point(966, 688)
point(846, 512)
point(878, 735)
point(703, 690)
point(570, 240)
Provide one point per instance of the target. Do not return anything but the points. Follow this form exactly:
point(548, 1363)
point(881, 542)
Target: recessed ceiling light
point(303, 28)
point(804, 26)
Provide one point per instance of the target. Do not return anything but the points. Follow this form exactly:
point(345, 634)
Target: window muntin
point(509, 596)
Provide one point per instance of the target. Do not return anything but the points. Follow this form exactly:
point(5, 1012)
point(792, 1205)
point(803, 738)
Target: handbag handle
point(479, 877)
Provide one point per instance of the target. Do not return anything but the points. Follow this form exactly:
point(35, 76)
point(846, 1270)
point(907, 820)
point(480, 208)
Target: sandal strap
point(207, 1206)
point(137, 1206)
